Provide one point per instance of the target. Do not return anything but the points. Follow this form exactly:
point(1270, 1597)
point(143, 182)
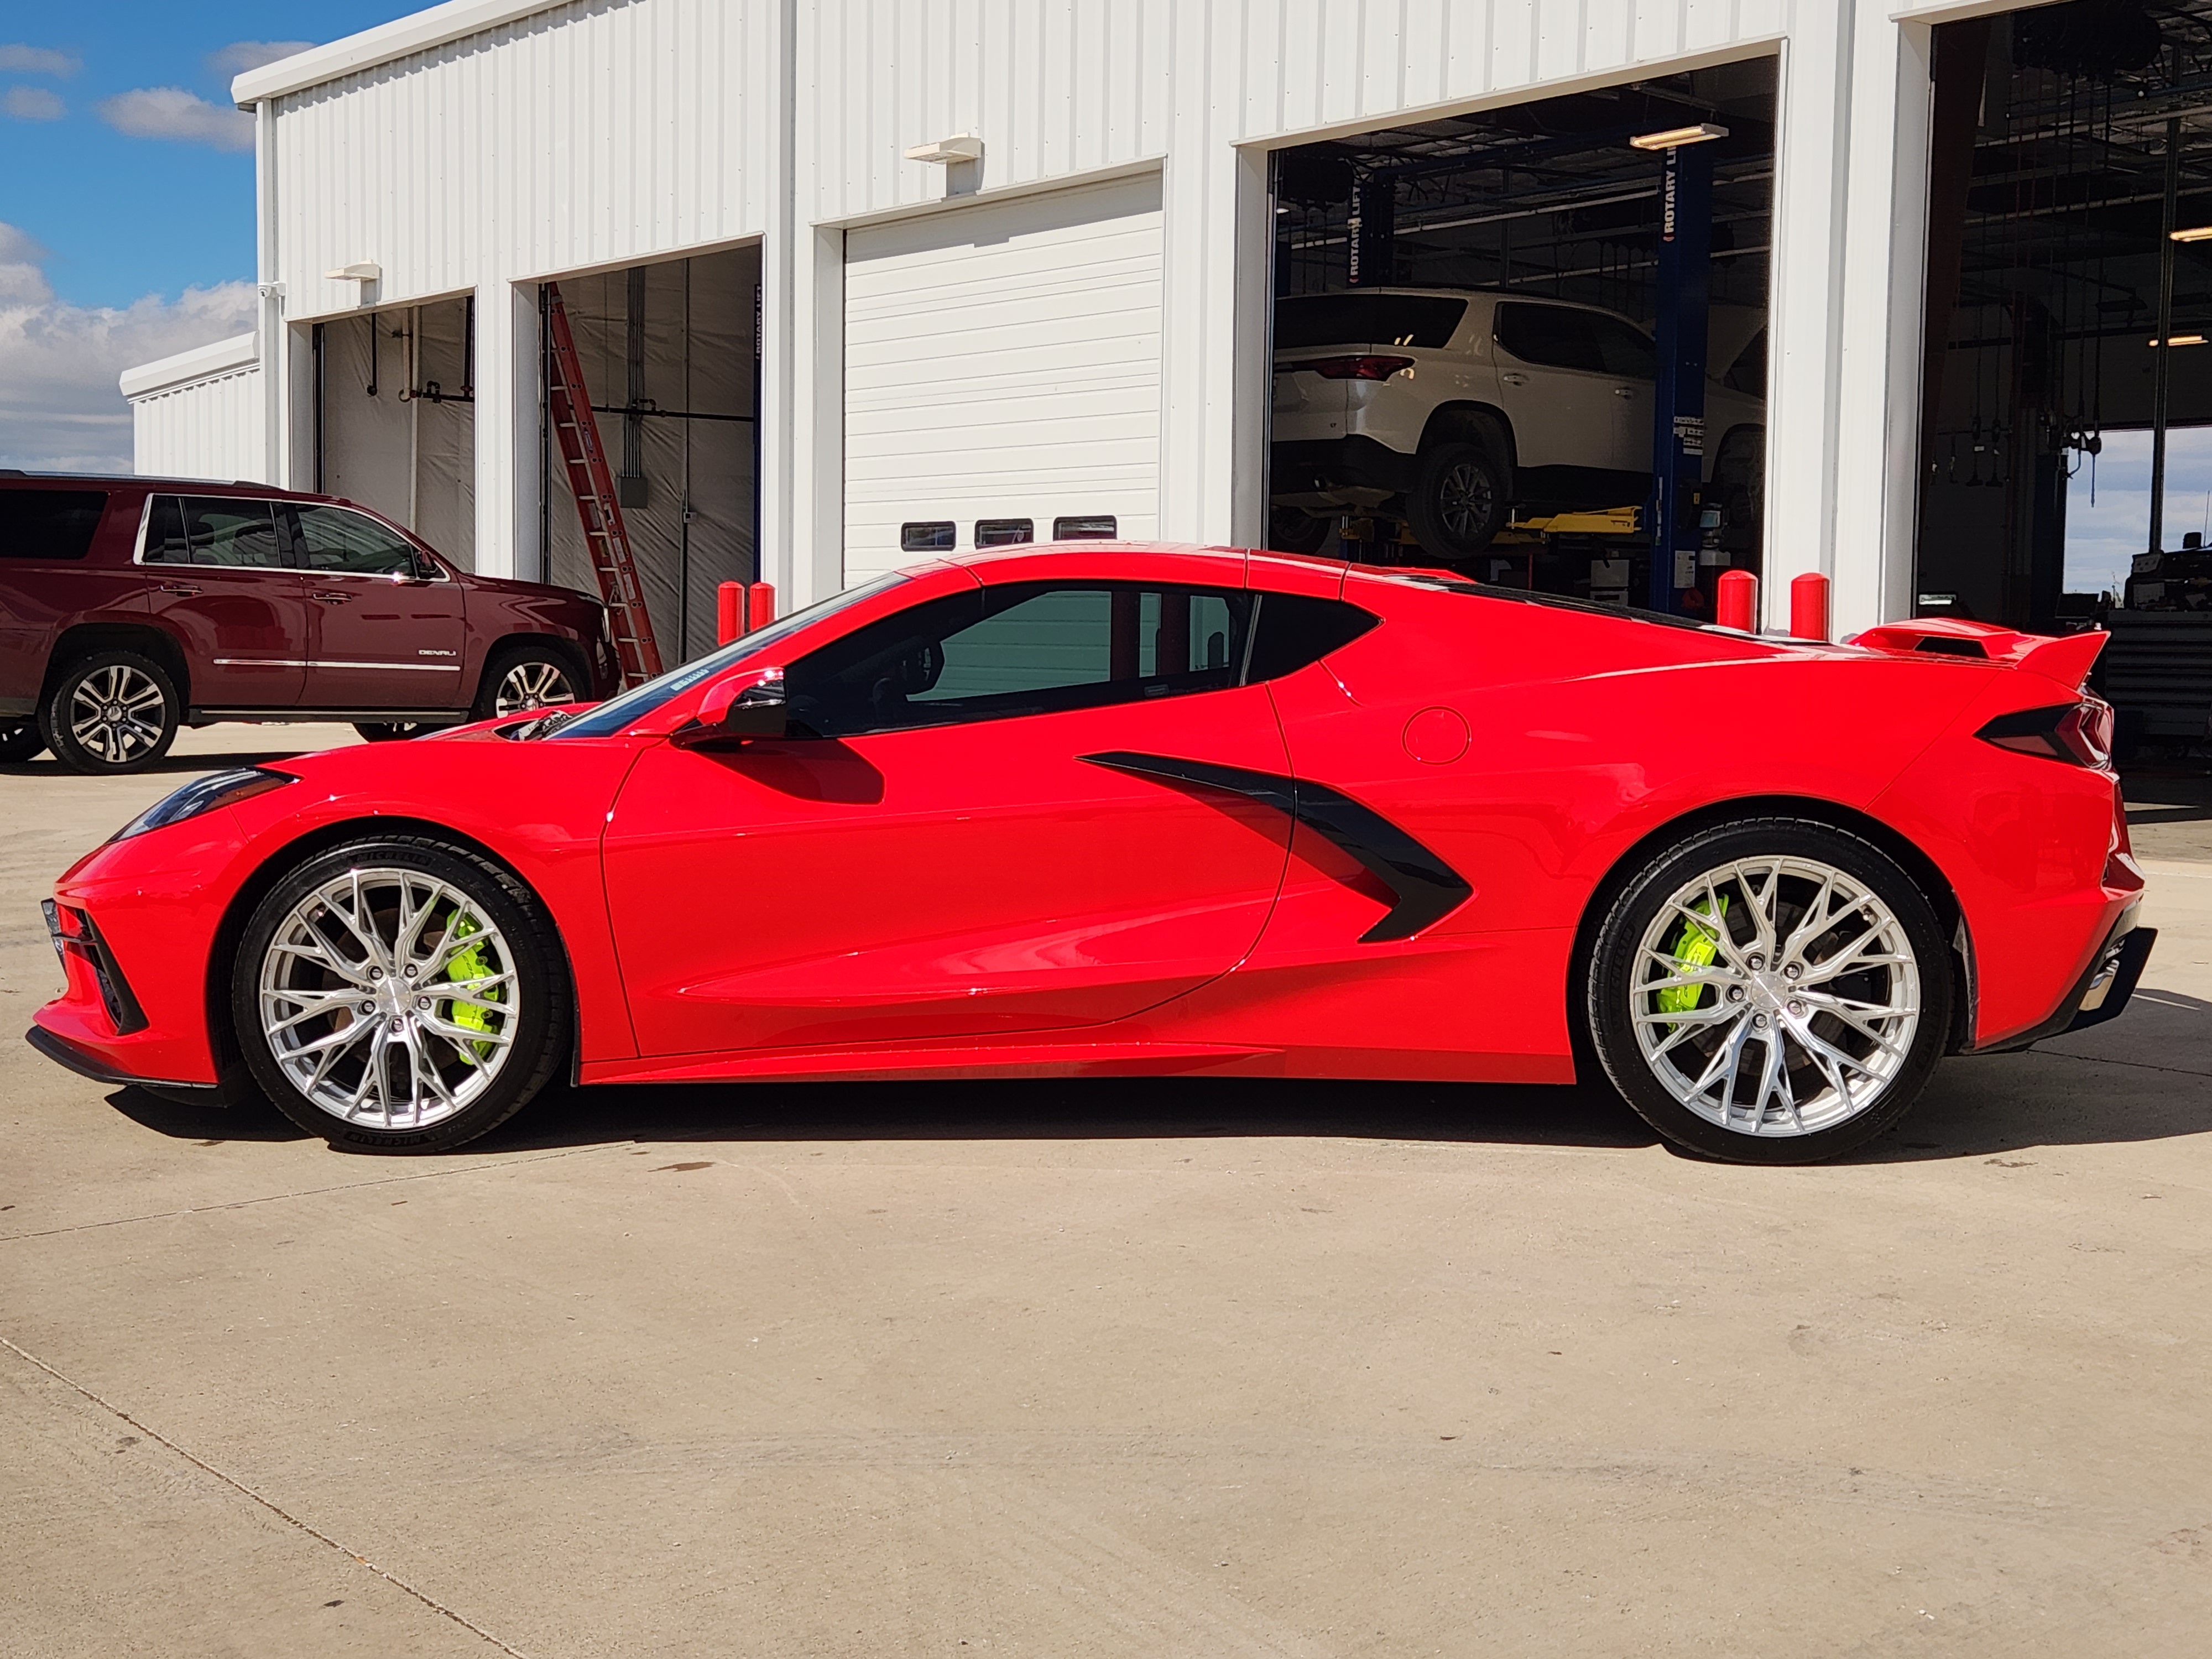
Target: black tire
point(525, 943)
point(1459, 501)
point(1294, 530)
point(527, 664)
point(1892, 1068)
point(147, 699)
point(21, 740)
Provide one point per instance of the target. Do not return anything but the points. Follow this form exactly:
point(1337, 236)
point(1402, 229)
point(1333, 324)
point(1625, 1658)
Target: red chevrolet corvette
point(1069, 811)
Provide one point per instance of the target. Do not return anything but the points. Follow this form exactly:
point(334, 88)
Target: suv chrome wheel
point(117, 713)
point(389, 999)
point(534, 683)
point(1775, 996)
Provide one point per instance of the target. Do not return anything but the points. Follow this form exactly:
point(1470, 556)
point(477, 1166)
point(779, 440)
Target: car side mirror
point(736, 711)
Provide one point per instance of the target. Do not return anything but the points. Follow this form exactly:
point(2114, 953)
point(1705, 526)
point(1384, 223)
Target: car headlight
point(204, 795)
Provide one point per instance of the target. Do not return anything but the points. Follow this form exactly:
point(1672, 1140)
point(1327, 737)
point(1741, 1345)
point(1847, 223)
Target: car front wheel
point(531, 677)
point(1459, 501)
point(1772, 991)
point(400, 995)
point(112, 712)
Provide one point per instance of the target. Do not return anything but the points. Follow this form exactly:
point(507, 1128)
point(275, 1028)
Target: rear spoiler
point(2065, 658)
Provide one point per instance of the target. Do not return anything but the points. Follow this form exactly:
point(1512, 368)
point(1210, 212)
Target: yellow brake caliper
point(467, 964)
point(1695, 946)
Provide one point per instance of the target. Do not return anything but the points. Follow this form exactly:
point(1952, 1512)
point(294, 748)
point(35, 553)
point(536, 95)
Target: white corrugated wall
point(204, 429)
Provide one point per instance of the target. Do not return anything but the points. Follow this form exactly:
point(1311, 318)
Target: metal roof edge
point(420, 31)
point(240, 351)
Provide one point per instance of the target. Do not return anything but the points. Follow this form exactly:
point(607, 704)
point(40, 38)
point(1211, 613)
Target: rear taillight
point(1351, 369)
point(2079, 733)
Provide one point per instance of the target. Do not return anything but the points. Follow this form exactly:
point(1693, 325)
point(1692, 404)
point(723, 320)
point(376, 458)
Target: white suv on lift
point(1454, 407)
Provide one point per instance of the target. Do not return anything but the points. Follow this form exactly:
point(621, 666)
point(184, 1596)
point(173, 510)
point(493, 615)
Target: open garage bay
point(1118, 1369)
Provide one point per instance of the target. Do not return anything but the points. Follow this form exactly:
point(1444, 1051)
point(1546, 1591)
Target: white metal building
point(1075, 324)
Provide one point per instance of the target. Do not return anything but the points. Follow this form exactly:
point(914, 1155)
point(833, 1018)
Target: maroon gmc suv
point(131, 606)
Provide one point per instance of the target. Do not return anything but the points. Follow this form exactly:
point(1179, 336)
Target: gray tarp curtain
point(408, 449)
point(697, 341)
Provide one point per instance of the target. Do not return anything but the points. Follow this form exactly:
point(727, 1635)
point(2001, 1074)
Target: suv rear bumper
point(1309, 465)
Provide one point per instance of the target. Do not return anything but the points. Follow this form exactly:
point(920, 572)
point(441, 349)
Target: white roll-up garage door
point(1002, 364)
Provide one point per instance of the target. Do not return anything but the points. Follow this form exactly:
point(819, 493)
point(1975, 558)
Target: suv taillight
point(2079, 733)
point(1351, 369)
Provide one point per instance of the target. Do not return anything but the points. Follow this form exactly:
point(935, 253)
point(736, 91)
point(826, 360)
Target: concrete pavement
point(1145, 1369)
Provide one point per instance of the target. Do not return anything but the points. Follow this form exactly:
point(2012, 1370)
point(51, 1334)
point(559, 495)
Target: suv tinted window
point(1026, 648)
point(1296, 629)
point(333, 538)
point(49, 524)
point(1405, 319)
point(1553, 336)
point(1625, 351)
point(213, 530)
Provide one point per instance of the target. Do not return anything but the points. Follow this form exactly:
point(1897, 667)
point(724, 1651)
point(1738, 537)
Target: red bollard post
point(1737, 605)
point(1808, 606)
point(760, 606)
point(729, 611)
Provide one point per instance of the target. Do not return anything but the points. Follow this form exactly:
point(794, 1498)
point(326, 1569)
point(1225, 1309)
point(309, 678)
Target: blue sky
point(127, 200)
point(2103, 535)
point(121, 215)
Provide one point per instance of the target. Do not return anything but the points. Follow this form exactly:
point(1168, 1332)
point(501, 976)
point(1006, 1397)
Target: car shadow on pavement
point(2146, 1076)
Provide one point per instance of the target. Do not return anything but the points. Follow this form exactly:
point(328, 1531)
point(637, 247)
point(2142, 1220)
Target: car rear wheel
point(1772, 991)
point(21, 740)
point(527, 677)
point(400, 995)
point(112, 712)
point(1459, 501)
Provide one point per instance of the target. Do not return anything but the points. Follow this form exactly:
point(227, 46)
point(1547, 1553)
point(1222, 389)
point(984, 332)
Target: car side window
point(333, 538)
point(1551, 337)
point(213, 530)
point(49, 526)
point(1295, 629)
point(1025, 649)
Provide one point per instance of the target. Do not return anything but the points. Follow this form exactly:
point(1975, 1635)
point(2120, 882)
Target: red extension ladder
point(593, 484)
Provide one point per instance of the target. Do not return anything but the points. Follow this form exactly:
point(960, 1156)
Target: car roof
point(1468, 293)
point(12, 476)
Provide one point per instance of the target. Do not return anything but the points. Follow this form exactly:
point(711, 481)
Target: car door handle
point(1511, 379)
point(332, 598)
point(1623, 392)
point(182, 590)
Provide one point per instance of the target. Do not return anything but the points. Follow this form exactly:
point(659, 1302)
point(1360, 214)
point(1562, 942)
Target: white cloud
point(37, 60)
point(59, 408)
point(33, 104)
point(241, 56)
point(172, 112)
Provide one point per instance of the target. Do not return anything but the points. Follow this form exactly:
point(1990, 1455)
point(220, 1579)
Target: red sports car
point(1083, 810)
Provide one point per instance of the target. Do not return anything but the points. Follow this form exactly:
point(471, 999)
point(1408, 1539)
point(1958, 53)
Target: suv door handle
point(332, 598)
point(1512, 378)
point(182, 590)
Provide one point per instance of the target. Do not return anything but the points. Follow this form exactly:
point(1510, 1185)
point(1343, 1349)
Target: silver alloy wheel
point(1788, 957)
point(389, 999)
point(533, 685)
point(1464, 500)
point(108, 714)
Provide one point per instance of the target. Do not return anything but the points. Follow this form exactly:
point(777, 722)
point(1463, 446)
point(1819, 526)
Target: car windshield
point(1425, 321)
point(620, 712)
